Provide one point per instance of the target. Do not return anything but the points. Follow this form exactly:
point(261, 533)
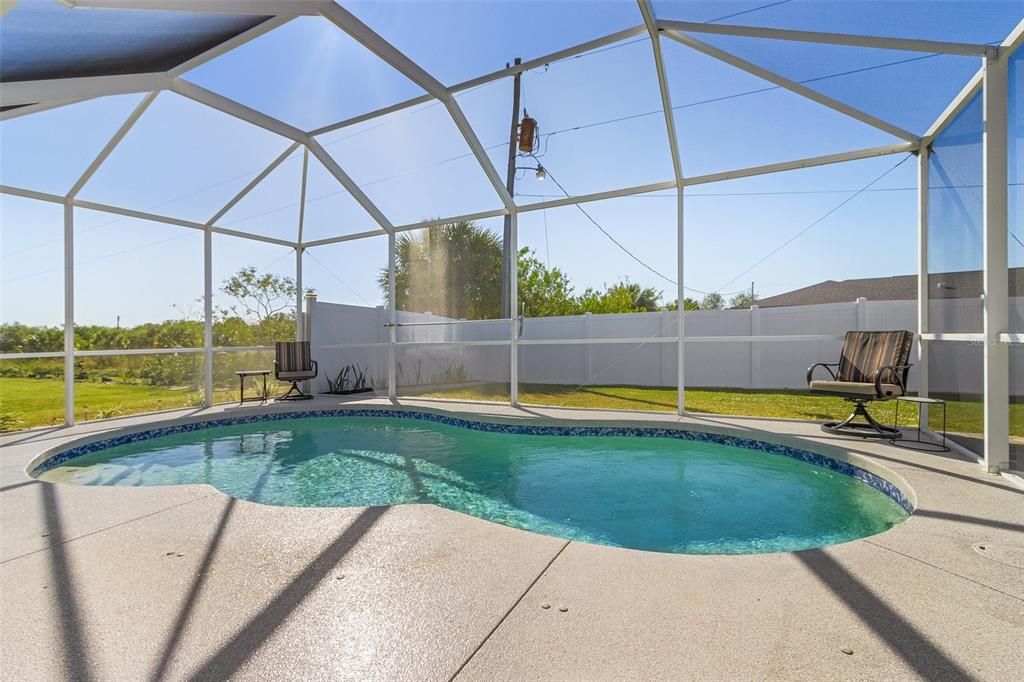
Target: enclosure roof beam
point(792, 86)
point(372, 41)
point(598, 196)
point(343, 238)
point(482, 215)
point(62, 89)
point(547, 59)
point(666, 98)
point(31, 194)
point(905, 44)
point(24, 109)
point(490, 77)
point(809, 162)
point(252, 184)
point(112, 144)
point(956, 105)
point(903, 147)
point(154, 217)
point(317, 150)
point(236, 109)
point(376, 113)
point(142, 215)
point(1010, 44)
point(286, 7)
point(302, 194)
point(1013, 41)
point(369, 39)
point(250, 115)
point(230, 44)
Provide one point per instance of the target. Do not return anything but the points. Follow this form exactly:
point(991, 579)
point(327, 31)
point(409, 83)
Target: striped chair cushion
point(864, 353)
point(292, 356)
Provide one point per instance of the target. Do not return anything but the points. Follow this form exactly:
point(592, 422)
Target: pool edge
point(878, 476)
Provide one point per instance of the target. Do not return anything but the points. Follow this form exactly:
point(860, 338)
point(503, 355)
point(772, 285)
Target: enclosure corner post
point(300, 334)
point(207, 317)
point(307, 319)
point(69, 312)
point(513, 288)
point(995, 275)
point(755, 346)
point(681, 308)
point(392, 316)
point(922, 276)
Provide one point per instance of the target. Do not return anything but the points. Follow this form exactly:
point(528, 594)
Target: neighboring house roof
point(899, 288)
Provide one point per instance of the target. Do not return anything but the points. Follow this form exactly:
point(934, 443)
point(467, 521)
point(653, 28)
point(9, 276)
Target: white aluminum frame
point(37, 96)
point(651, 22)
point(996, 318)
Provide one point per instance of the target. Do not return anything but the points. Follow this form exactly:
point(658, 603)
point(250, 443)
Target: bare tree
point(259, 296)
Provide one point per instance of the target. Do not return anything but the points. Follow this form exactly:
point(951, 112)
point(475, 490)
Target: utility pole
point(510, 184)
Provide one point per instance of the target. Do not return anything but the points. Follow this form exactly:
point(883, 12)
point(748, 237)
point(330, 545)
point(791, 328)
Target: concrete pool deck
point(184, 582)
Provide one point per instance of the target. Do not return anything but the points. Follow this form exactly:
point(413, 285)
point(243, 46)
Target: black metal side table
point(919, 444)
point(262, 398)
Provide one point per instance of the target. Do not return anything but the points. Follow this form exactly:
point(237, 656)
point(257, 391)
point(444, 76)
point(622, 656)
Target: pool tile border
point(55, 459)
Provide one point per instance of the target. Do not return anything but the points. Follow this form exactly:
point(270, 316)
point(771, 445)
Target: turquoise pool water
point(661, 494)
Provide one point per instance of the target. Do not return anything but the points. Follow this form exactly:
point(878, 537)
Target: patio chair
point(292, 363)
point(872, 366)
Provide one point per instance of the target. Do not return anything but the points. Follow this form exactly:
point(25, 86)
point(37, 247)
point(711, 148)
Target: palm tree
point(451, 270)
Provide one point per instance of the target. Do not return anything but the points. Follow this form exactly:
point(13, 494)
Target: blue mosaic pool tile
point(816, 459)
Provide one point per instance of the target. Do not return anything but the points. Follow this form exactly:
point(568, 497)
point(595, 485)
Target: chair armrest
point(896, 376)
point(827, 365)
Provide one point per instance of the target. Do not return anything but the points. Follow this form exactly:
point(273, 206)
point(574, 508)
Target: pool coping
point(859, 467)
point(425, 583)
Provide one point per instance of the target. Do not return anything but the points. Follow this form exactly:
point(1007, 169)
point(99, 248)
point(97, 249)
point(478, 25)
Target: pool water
point(661, 494)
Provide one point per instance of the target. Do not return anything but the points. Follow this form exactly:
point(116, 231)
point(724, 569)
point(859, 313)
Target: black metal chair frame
point(869, 427)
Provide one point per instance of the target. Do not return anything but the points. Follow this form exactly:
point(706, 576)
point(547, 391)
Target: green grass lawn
point(964, 416)
point(26, 403)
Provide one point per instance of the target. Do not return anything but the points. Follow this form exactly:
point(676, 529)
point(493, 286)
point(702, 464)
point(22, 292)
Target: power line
point(617, 242)
point(330, 272)
point(462, 156)
point(747, 11)
point(736, 95)
point(605, 232)
point(816, 222)
point(546, 136)
point(659, 195)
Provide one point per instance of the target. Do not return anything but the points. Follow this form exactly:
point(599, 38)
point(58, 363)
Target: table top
point(919, 399)
point(252, 372)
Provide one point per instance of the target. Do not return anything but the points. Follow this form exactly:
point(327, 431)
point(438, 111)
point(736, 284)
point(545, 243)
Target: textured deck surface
point(184, 582)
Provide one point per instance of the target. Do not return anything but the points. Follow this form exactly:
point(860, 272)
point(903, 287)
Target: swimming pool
point(645, 488)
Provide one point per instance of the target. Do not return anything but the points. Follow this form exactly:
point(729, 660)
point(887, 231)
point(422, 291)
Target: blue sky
point(185, 160)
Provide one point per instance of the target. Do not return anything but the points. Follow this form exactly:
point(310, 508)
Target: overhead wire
point(545, 136)
point(747, 11)
point(619, 244)
point(461, 156)
point(605, 232)
point(803, 231)
point(774, 193)
point(308, 252)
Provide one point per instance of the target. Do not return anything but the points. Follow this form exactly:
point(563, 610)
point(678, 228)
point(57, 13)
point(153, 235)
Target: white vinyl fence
point(638, 349)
